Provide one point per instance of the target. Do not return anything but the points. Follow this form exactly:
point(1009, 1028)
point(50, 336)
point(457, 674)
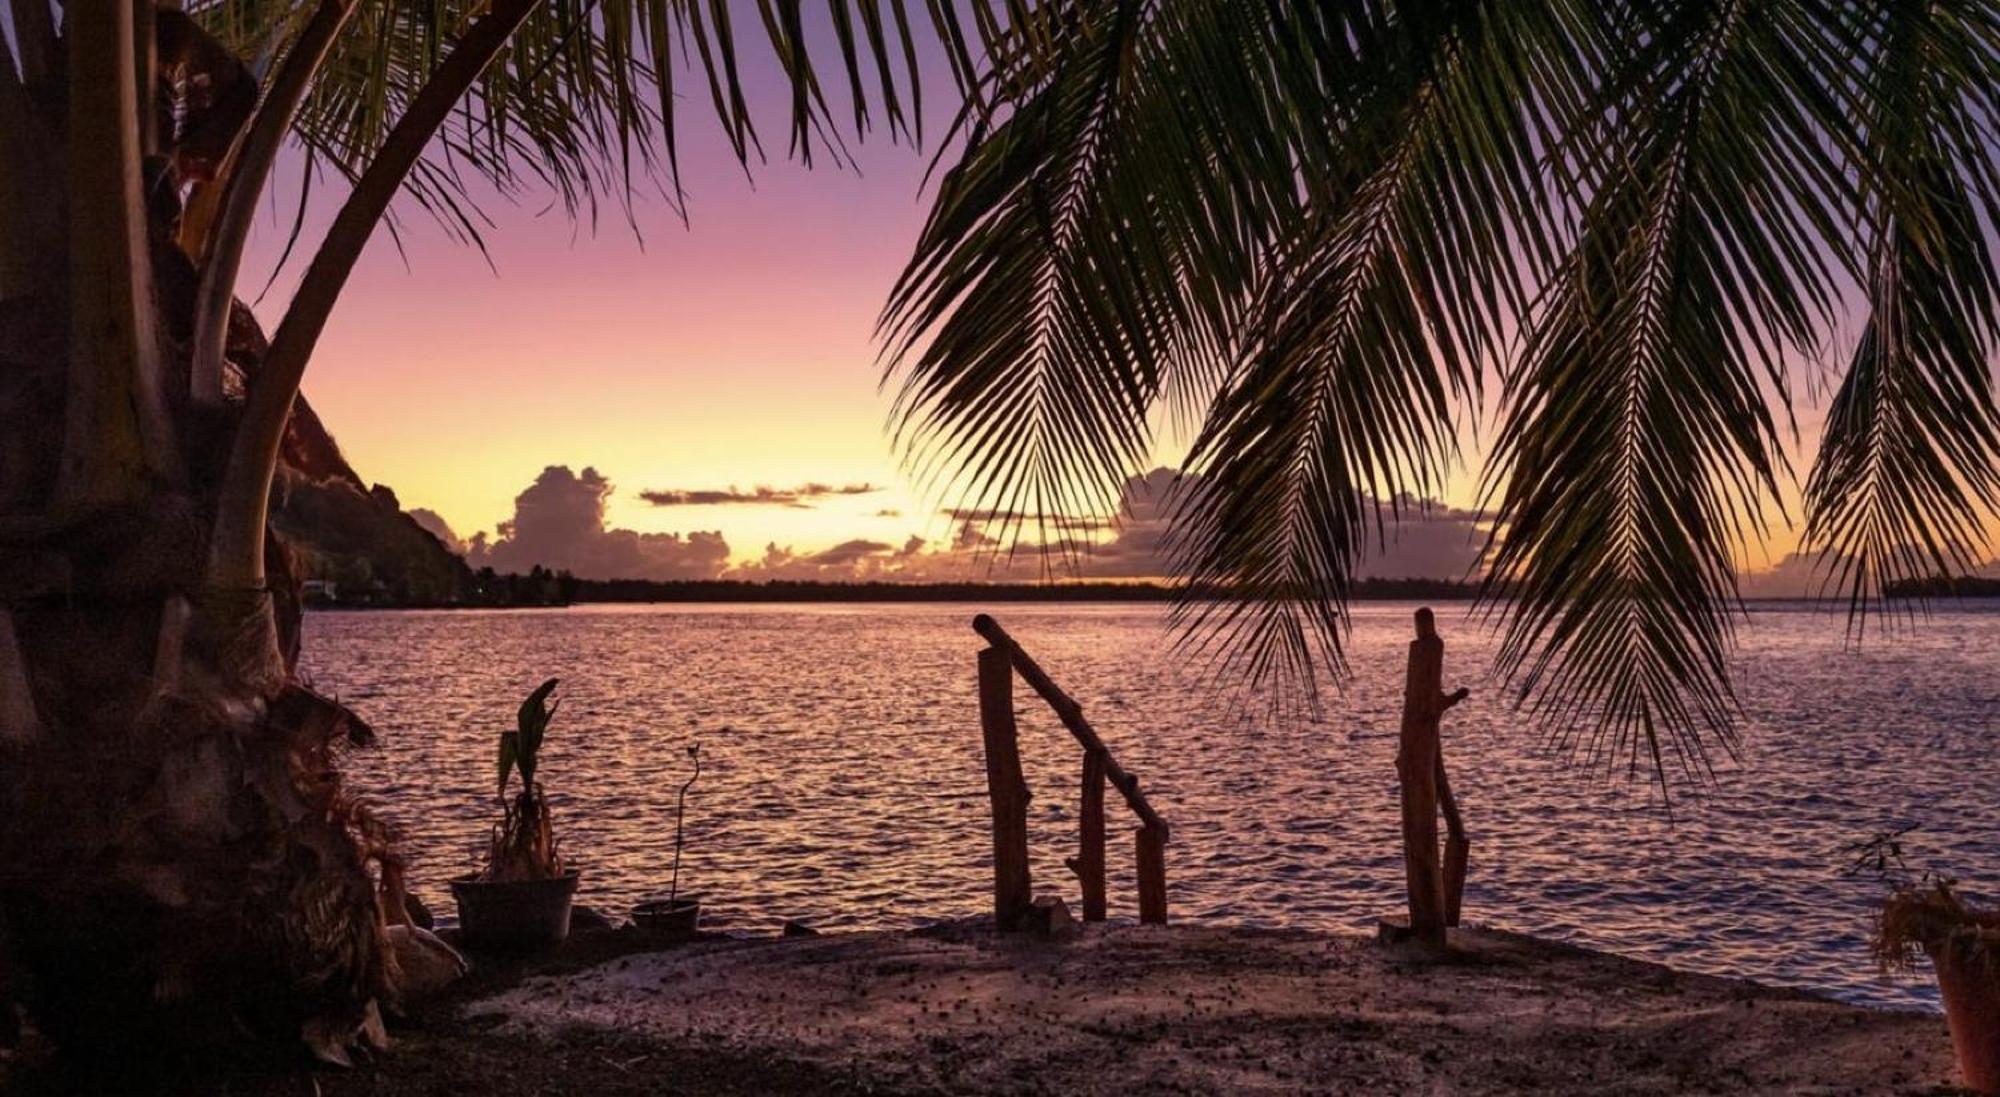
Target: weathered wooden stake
point(1457, 847)
point(1012, 888)
point(1089, 861)
point(1417, 766)
point(1152, 844)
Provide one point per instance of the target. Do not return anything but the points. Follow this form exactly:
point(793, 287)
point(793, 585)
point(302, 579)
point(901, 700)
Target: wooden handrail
point(1012, 887)
point(1071, 715)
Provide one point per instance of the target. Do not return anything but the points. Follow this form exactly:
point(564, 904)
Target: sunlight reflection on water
point(849, 790)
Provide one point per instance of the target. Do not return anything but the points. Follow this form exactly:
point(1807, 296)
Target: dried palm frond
point(1934, 921)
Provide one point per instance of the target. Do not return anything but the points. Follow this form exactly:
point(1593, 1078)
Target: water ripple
point(850, 791)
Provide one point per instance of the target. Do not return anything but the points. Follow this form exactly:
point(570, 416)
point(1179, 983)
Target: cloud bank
point(800, 497)
point(1429, 543)
point(1805, 575)
point(559, 524)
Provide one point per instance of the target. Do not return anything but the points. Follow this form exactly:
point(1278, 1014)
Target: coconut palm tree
point(1329, 235)
point(179, 860)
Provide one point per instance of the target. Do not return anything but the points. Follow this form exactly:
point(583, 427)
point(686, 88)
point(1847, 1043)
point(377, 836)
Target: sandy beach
point(1185, 1009)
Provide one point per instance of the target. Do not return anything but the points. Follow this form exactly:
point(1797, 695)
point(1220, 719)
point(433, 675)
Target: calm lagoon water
point(842, 778)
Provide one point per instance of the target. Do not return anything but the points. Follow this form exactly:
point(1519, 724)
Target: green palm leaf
point(1640, 444)
point(1911, 452)
point(1313, 229)
point(1371, 328)
point(584, 101)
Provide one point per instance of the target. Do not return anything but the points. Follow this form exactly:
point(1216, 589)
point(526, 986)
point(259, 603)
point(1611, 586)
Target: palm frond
point(1033, 328)
point(1910, 456)
point(1370, 326)
point(1640, 445)
point(585, 100)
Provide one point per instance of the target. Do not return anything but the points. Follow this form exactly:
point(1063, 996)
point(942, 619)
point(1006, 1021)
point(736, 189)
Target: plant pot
point(1970, 981)
point(674, 919)
point(514, 915)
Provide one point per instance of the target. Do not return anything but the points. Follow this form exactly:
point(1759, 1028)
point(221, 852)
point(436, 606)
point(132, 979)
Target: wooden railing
point(1012, 885)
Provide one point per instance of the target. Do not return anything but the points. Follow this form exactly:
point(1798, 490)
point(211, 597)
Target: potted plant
point(1927, 917)
point(675, 916)
point(521, 899)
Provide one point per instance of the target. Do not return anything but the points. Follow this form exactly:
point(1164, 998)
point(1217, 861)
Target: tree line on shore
point(541, 586)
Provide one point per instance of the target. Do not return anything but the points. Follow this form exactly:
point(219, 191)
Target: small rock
point(583, 919)
point(795, 928)
point(426, 965)
point(1049, 916)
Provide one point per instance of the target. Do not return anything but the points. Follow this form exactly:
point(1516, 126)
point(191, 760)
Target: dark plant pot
point(674, 919)
point(1970, 982)
point(514, 915)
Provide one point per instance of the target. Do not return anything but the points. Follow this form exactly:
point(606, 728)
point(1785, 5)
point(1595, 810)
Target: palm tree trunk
point(236, 549)
point(179, 864)
point(117, 437)
point(250, 169)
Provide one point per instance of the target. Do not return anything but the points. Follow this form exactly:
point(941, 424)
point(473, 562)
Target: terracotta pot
point(514, 915)
point(1970, 982)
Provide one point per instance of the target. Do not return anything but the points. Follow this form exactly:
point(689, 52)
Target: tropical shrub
point(524, 844)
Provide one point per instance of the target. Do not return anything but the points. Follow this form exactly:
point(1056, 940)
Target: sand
point(1178, 1009)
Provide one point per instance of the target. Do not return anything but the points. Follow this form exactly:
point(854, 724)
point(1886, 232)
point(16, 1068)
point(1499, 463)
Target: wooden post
point(1417, 768)
point(1457, 847)
point(1012, 888)
point(1088, 864)
point(1152, 843)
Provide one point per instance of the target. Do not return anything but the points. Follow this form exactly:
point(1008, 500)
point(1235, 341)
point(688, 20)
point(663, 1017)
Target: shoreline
point(1108, 1008)
point(956, 1008)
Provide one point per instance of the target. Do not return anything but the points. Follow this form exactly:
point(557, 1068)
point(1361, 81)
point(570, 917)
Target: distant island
point(1945, 586)
point(542, 587)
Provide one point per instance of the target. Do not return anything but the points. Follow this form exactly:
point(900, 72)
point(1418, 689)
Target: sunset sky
point(736, 352)
point(730, 354)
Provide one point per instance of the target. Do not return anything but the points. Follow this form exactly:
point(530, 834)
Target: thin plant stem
point(680, 818)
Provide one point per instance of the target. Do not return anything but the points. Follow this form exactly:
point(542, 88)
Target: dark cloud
point(847, 553)
point(1795, 576)
point(1028, 521)
point(800, 497)
point(559, 523)
point(1434, 542)
point(970, 538)
point(1427, 541)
